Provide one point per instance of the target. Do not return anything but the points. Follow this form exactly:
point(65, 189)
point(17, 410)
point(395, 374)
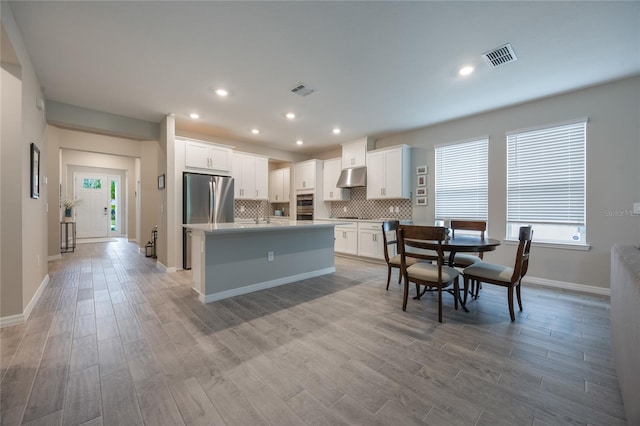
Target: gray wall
point(613, 173)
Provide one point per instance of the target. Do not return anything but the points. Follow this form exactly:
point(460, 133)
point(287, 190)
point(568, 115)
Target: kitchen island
point(230, 259)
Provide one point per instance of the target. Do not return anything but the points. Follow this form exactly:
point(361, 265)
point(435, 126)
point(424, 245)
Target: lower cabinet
point(346, 237)
point(370, 241)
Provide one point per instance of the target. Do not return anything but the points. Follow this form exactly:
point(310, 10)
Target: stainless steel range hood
point(352, 178)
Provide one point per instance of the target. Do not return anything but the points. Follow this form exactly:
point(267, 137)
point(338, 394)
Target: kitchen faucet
point(258, 212)
point(268, 212)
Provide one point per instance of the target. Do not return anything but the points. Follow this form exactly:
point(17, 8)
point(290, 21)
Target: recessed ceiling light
point(255, 131)
point(290, 115)
point(221, 92)
point(194, 115)
point(466, 70)
point(336, 131)
point(299, 142)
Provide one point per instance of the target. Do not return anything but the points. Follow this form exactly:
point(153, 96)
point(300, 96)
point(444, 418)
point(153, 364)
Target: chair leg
point(406, 294)
point(400, 277)
point(472, 287)
point(456, 291)
point(510, 297)
point(477, 286)
point(466, 289)
point(389, 275)
point(439, 304)
point(418, 292)
point(518, 295)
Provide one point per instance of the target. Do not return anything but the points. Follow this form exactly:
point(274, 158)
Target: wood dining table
point(454, 245)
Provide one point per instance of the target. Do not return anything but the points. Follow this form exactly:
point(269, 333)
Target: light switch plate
point(636, 208)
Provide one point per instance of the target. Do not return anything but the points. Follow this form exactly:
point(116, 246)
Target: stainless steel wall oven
point(304, 207)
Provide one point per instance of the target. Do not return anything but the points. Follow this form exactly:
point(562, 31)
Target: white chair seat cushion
point(489, 271)
point(464, 260)
point(429, 272)
point(397, 259)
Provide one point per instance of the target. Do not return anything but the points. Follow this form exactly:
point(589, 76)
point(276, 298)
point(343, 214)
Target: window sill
point(579, 247)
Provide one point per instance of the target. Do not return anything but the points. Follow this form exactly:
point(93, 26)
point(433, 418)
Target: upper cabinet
point(279, 185)
point(210, 157)
point(388, 173)
point(308, 175)
point(354, 154)
point(251, 175)
point(330, 175)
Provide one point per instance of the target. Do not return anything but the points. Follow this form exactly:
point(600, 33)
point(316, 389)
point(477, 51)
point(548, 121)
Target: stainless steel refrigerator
point(205, 199)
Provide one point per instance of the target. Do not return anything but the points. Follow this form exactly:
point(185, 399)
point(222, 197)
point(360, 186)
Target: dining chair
point(462, 260)
point(434, 276)
point(510, 277)
point(391, 248)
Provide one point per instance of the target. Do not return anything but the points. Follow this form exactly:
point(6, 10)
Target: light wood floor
point(113, 341)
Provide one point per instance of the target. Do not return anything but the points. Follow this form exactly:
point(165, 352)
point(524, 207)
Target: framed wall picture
point(421, 201)
point(421, 192)
point(161, 181)
point(421, 170)
point(422, 180)
point(35, 171)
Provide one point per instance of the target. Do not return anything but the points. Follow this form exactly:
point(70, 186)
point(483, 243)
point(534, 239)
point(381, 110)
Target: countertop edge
point(234, 227)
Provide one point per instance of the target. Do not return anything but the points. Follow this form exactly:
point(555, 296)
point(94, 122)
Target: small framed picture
point(421, 170)
point(422, 180)
point(35, 171)
point(421, 201)
point(421, 192)
point(161, 181)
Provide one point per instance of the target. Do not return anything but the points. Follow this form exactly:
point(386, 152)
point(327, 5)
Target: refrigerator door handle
point(214, 190)
point(211, 201)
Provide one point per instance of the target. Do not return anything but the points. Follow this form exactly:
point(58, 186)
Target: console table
point(67, 237)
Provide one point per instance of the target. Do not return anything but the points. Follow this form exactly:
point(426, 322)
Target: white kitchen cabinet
point(251, 175)
point(388, 173)
point(330, 174)
point(201, 155)
point(346, 239)
point(370, 241)
point(354, 154)
point(306, 174)
point(279, 185)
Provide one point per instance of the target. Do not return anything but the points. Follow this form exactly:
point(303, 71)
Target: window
point(546, 183)
point(461, 180)
point(91, 183)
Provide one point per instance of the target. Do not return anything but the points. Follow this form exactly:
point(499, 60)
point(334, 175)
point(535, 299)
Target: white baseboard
point(11, 320)
point(208, 298)
point(563, 285)
point(21, 318)
point(163, 268)
point(54, 257)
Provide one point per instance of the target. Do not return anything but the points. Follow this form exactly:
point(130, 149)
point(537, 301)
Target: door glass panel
point(113, 206)
point(91, 183)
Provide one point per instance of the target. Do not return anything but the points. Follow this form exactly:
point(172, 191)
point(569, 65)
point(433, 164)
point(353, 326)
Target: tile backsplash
point(362, 208)
point(358, 206)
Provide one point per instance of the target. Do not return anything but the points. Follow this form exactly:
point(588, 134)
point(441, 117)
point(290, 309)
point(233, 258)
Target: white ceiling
point(377, 67)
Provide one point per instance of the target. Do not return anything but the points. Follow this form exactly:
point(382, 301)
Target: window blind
point(461, 180)
point(546, 175)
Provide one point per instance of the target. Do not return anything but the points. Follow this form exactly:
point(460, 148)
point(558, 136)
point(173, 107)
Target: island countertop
point(279, 225)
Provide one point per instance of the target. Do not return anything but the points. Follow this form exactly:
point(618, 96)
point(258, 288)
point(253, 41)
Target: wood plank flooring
point(114, 341)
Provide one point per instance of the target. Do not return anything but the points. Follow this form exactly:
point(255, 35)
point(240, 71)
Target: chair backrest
point(389, 226)
point(434, 234)
point(469, 225)
point(522, 257)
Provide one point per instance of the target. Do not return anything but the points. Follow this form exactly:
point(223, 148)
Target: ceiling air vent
point(500, 55)
point(302, 90)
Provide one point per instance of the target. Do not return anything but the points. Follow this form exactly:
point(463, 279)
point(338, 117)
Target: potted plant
point(68, 204)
